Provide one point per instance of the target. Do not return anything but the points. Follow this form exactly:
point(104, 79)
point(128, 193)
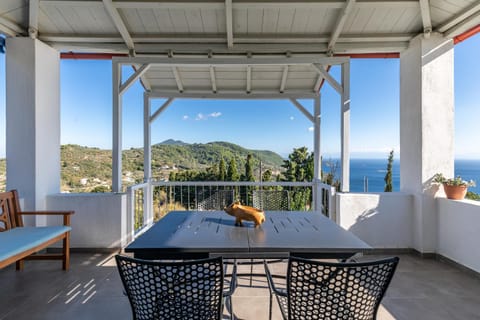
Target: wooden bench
point(19, 243)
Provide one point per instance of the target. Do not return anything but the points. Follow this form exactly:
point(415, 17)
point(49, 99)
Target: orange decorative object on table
point(246, 213)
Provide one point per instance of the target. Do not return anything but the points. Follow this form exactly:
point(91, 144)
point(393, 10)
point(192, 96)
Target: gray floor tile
point(91, 289)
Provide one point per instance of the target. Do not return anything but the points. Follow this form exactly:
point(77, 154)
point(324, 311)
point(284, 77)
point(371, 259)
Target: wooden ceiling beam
point(213, 79)
point(426, 19)
point(178, 79)
point(229, 22)
point(341, 19)
point(283, 83)
point(120, 25)
point(458, 18)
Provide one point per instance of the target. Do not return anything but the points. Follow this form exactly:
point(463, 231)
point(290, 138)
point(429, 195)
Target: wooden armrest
point(46, 212)
point(66, 214)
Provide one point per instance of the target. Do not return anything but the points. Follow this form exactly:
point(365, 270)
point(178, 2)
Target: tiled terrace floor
point(421, 289)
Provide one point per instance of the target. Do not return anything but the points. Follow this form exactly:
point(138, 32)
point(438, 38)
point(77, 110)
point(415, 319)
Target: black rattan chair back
point(173, 290)
point(213, 199)
point(323, 290)
point(271, 199)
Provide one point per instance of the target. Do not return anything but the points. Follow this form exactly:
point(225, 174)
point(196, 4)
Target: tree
point(267, 175)
point(388, 176)
point(232, 172)
point(329, 177)
point(299, 166)
point(222, 170)
point(249, 169)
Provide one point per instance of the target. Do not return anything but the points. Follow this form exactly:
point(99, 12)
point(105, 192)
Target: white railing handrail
point(233, 183)
point(137, 186)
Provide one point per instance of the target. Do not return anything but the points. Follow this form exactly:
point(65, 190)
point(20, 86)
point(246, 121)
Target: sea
point(367, 175)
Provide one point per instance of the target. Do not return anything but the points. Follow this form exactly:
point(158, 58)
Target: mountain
point(201, 156)
point(173, 142)
point(86, 168)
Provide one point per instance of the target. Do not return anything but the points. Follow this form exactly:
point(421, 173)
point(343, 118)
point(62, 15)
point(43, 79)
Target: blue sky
point(259, 124)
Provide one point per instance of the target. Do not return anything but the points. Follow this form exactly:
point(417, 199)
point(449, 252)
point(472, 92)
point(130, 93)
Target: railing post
point(332, 212)
point(130, 219)
point(147, 204)
point(317, 195)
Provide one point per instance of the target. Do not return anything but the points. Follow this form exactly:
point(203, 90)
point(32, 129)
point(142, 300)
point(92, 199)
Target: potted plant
point(455, 188)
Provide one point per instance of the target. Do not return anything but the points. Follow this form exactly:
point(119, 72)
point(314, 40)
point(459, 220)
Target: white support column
point(345, 127)
point(147, 138)
point(117, 128)
point(426, 128)
point(32, 121)
point(147, 160)
point(317, 162)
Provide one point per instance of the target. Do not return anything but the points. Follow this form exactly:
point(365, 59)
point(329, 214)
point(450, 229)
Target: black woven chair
point(271, 199)
point(176, 290)
point(328, 290)
point(213, 199)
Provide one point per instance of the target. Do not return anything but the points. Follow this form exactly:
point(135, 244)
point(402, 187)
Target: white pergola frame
point(142, 64)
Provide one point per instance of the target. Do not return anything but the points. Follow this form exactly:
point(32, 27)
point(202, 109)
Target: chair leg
point(232, 316)
point(66, 252)
point(251, 271)
point(229, 306)
point(19, 265)
point(270, 307)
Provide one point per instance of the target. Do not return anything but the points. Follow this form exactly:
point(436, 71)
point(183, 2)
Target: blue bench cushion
point(18, 240)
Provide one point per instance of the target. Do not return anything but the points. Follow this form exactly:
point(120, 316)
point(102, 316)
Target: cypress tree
point(232, 172)
point(249, 169)
point(388, 176)
point(222, 170)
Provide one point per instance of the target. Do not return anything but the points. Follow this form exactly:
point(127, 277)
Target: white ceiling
point(244, 31)
point(235, 26)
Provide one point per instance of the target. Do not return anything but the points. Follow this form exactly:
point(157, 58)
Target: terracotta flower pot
point(455, 192)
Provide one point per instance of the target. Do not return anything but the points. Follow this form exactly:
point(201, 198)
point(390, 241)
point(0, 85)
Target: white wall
point(459, 231)
point(33, 121)
point(383, 220)
point(426, 127)
point(100, 219)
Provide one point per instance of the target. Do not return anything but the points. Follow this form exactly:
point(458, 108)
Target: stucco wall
point(32, 121)
point(383, 220)
point(459, 231)
point(100, 219)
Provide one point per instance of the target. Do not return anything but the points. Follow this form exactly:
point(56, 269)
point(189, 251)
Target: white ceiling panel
point(300, 20)
point(179, 20)
point(181, 27)
point(149, 23)
point(209, 20)
point(254, 20)
point(164, 21)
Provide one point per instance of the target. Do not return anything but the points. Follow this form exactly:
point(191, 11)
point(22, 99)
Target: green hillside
point(201, 156)
point(86, 169)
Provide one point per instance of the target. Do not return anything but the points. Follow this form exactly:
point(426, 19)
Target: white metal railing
point(148, 202)
point(138, 207)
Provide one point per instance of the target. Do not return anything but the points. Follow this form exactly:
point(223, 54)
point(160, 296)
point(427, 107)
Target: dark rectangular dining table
point(202, 234)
